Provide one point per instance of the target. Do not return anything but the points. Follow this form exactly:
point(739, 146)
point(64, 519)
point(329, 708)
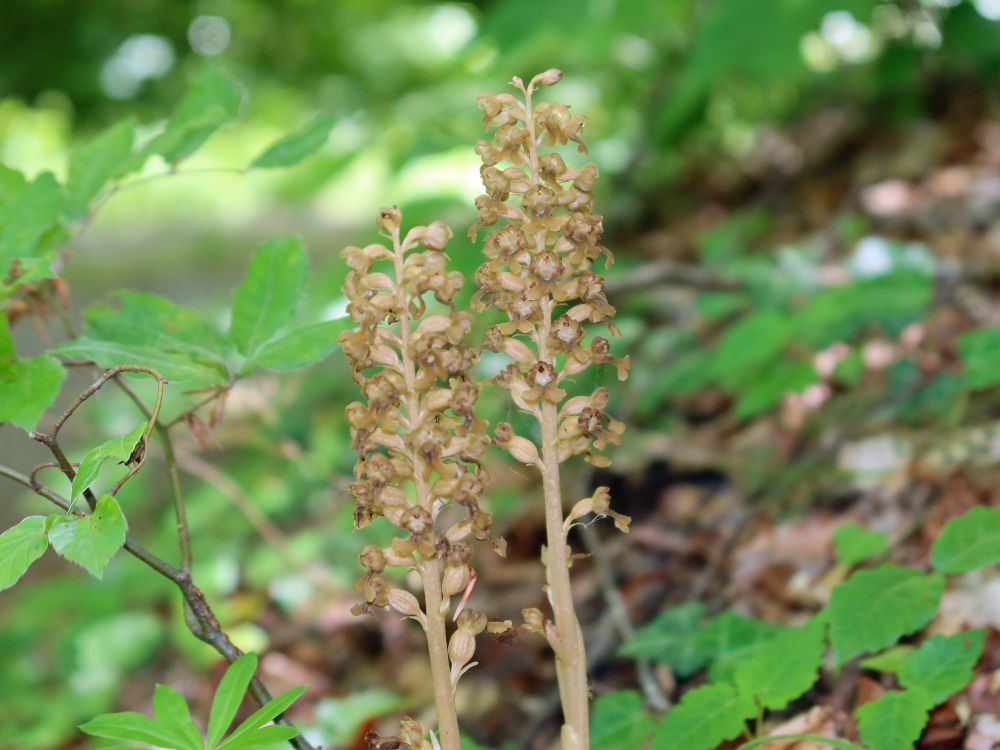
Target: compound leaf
point(300, 348)
point(784, 667)
point(229, 696)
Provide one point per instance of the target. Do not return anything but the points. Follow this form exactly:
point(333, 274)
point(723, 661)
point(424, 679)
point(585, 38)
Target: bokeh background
point(803, 197)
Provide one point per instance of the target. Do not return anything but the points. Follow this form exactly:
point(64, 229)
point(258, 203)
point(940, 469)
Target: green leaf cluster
point(755, 666)
point(173, 729)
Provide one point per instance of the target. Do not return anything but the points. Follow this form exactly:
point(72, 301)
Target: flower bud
point(404, 602)
point(411, 733)
point(550, 77)
point(472, 620)
point(389, 218)
point(461, 647)
point(373, 559)
point(455, 579)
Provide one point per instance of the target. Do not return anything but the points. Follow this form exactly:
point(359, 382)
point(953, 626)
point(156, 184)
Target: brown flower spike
point(539, 272)
point(417, 428)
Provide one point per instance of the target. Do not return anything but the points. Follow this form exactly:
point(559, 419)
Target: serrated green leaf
point(229, 696)
point(895, 721)
point(299, 348)
point(20, 546)
point(93, 539)
point(969, 541)
point(116, 449)
point(294, 147)
point(135, 727)
point(270, 293)
point(854, 543)
point(669, 638)
point(810, 739)
point(980, 353)
point(730, 638)
point(26, 217)
point(618, 721)
point(172, 711)
point(262, 715)
point(211, 101)
point(943, 665)
point(705, 717)
point(875, 608)
point(94, 164)
point(784, 667)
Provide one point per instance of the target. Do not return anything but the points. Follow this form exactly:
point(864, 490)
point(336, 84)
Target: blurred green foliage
point(679, 95)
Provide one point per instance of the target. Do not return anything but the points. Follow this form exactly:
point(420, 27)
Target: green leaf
point(261, 716)
point(771, 385)
point(91, 540)
point(261, 738)
point(94, 164)
point(229, 696)
point(748, 345)
point(980, 353)
point(705, 717)
point(855, 543)
point(875, 608)
point(131, 726)
point(27, 388)
point(669, 638)
point(299, 348)
point(175, 367)
point(890, 660)
point(116, 449)
point(619, 722)
point(730, 638)
point(784, 667)
point(211, 102)
point(172, 711)
point(20, 546)
point(895, 721)
point(969, 541)
point(294, 147)
point(269, 294)
point(943, 665)
point(811, 739)
point(26, 217)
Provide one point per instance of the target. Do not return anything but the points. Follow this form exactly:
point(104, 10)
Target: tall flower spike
point(417, 427)
point(539, 272)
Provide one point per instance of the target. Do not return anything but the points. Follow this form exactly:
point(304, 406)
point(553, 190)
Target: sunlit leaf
point(90, 540)
point(294, 147)
point(135, 727)
point(172, 711)
point(94, 164)
point(262, 716)
point(300, 348)
point(20, 546)
point(116, 449)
